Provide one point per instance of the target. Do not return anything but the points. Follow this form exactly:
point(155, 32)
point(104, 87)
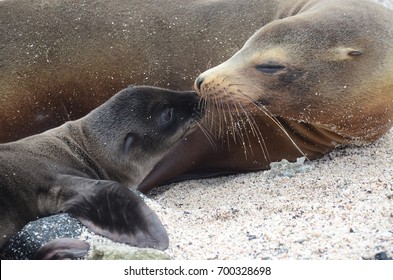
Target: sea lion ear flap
point(128, 142)
point(345, 53)
point(354, 53)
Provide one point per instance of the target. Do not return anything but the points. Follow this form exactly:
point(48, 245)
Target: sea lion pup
point(85, 168)
point(317, 77)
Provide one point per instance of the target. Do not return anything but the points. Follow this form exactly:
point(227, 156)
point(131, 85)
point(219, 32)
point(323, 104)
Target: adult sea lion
point(62, 58)
point(318, 76)
point(85, 166)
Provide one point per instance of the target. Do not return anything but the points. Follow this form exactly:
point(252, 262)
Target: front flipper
point(111, 210)
point(63, 248)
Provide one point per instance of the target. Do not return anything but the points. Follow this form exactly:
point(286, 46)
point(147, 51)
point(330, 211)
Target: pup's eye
point(167, 115)
point(270, 68)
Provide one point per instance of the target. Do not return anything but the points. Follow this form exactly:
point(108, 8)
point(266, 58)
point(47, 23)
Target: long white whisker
point(241, 125)
point(208, 136)
point(275, 121)
point(232, 127)
point(256, 132)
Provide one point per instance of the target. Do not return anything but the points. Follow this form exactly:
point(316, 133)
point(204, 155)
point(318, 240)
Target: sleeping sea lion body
point(317, 77)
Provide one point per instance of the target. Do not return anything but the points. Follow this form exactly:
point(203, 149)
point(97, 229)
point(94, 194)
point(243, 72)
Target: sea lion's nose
point(198, 83)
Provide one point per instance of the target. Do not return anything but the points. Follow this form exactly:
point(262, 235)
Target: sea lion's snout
point(189, 105)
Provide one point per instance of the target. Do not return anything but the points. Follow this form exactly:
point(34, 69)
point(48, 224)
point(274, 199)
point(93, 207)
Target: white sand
point(341, 208)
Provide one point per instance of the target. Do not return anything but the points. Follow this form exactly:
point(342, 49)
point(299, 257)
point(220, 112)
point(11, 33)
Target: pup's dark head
point(137, 126)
